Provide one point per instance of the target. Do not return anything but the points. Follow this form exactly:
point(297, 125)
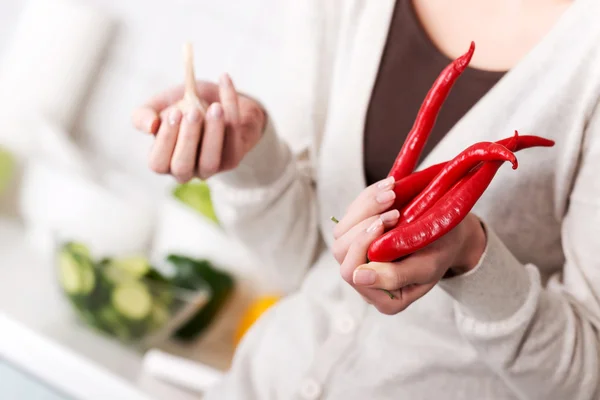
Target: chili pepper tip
point(464, 60)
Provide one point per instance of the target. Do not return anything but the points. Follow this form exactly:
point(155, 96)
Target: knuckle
point(400, 279)
point(338, 250)
point(182, 171)
point(209, 167)
point(158, 167)
point(337, 231)
point(347, 272)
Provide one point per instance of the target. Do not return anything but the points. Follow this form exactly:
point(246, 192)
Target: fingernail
point(375, 225)
point(215, 111)
point(390, 216)
point(193, 115)
point(364, 276)
point(174, 116)
point(386, 183)
point(385, 197)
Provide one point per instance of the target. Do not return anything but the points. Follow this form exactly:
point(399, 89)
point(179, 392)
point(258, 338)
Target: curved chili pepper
point(410, 152)
point(453, 207)
point(408, 187)
point(453, 172)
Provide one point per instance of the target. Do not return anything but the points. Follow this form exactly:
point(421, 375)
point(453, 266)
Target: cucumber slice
point(88, 279)
point(78, 248)
point(76, 272)
point(132, 300)
point(69, 274)
point(134, 266)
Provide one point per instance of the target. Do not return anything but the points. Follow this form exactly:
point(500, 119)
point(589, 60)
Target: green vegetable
point(124, 297)
point(194, 275)
point(76, 272)
point(7, 168)
point(136, 267)
point(196, 194)
point(132, 300)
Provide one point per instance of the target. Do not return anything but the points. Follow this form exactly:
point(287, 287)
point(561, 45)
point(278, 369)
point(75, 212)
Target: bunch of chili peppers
point(435, 200)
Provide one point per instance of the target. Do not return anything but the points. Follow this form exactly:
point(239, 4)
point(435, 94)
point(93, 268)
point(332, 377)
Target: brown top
point(409, 66)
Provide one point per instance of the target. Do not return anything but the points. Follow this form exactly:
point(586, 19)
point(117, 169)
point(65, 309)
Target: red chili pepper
point(408, 156)
point(451, 209)
point(453, 172)
point(407, 188)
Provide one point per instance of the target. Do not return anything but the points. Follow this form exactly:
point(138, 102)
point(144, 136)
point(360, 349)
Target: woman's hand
point(408, 280)
point(196, 144)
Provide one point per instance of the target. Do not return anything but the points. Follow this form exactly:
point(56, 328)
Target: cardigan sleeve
point(543, 340)
point(268, 202)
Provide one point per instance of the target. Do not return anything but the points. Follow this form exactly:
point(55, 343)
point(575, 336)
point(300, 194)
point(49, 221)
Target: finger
point(229, 100)
point(341, 245)
point(234, 146)
point(404, 298)
point(164, 144)
point(414, 270)
point(183, 163)
point(212, 143)
point(357, 252)
point(146, 120)
point(373, 200)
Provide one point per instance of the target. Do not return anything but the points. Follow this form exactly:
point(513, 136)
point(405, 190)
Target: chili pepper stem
point(334, 219)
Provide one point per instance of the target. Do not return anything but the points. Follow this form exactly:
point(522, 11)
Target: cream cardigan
point(522, 325)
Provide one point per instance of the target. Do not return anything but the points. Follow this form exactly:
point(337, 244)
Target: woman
point(506, 305)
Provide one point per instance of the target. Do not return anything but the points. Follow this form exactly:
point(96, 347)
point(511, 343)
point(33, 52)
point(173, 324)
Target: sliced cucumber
point(134, 266)
point(88, 279)
point(69, 274)
point(76, 272)
point(132, 300)
point(78, 248)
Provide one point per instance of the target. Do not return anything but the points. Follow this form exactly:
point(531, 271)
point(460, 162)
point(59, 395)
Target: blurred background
point(98, 253)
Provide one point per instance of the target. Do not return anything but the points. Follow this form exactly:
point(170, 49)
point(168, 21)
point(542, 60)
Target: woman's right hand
point(196, 143)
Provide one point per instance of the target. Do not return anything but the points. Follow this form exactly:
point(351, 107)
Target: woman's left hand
point(408, 280)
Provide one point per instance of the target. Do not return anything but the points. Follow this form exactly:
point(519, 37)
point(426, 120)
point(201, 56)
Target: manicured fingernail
point(174, 116)
point(375, 225)
point(215, 111)
point(364, 276)
point(193, 115)
point(385, 197)
point(386, 183)
point(390, 216)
